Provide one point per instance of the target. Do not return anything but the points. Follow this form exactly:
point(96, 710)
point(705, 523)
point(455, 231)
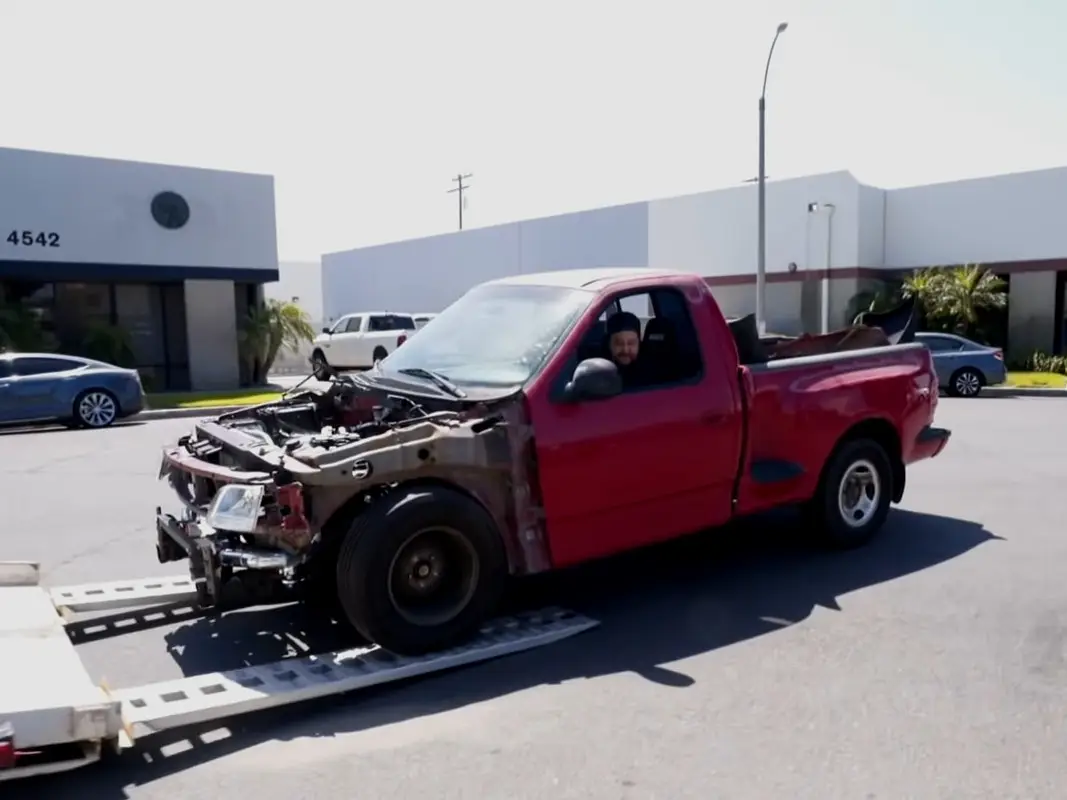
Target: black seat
point(750, 349)
point(660, 354)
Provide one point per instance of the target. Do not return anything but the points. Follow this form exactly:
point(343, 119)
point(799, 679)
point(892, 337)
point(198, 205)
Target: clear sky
point(365, 110)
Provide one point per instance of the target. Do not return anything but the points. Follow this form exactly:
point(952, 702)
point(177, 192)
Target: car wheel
point(966, 382)
point(320, 368)
point(854, 494)
point(95, 408)
point(421, 570)
point(379, 354)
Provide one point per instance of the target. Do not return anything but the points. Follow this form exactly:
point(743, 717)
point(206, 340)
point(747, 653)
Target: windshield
point(495, 335)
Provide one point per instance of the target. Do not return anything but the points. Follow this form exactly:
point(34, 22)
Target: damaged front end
point(264, 489)
point(243, 510)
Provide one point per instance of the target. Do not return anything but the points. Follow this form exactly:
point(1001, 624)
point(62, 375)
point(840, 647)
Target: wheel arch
point(80, 393)
point(884, 432)
point(340, 520)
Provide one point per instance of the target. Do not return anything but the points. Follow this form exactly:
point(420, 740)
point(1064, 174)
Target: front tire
point(320, 368)
point(854, 494)
point(421, 570)
point(95, 408)
point(966, 382)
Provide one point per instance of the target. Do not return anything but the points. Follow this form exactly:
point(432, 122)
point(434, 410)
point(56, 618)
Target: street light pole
point(761, 180)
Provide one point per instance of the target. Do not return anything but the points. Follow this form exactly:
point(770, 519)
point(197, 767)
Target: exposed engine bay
point(260, 486)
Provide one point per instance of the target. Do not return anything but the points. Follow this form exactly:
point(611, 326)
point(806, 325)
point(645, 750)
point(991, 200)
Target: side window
point(5, 368)
point(670, 339)
point(669, 350)
point(43, 366)
point(339, 326)
point(941, 344)
point(354, 324)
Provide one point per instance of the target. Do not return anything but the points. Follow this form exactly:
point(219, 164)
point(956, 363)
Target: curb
point(1012, 391)
point(150, 415)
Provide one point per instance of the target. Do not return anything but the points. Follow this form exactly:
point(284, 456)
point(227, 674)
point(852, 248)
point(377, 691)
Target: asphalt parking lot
point(932, 664)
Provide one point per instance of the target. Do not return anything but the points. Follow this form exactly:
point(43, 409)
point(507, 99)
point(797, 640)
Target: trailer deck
point(60, 719)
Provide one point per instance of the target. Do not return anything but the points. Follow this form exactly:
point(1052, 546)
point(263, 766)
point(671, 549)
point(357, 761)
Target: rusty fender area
point(488, 456)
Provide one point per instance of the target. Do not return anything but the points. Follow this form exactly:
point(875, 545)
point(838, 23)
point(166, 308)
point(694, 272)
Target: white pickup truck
point(356, 341)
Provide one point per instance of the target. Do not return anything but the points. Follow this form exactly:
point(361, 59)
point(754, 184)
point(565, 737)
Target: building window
point(139, 325)
point(170, 210)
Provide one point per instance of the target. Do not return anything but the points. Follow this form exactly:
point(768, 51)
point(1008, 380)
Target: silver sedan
point(80, 392)
point(964, 367)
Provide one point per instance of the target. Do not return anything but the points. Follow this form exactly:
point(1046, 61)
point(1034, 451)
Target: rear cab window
point(390, 322)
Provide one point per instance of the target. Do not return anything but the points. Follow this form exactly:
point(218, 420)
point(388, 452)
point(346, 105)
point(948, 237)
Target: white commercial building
point(173, 256)
point(822, 227)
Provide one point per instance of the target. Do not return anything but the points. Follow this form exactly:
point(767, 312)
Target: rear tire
point(855, 491)
point(320, 368)
point(421, 570)
point(379, 354)
point(96, 408)
point(966, 382)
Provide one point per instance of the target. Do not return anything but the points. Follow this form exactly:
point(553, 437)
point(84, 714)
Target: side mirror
point(326, 331)
point(594, 379)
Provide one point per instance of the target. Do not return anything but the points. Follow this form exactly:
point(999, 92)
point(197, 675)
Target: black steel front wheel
point(421, 569)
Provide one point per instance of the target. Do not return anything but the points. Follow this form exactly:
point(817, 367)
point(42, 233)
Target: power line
point(459, 189)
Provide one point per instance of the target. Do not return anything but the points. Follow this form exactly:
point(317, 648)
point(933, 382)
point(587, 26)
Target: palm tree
point(266, 330)
point(952, 298)
point(968, 290)
point(925, 285)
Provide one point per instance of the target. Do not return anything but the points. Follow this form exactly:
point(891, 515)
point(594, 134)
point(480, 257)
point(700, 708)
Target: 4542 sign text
point(33, 239)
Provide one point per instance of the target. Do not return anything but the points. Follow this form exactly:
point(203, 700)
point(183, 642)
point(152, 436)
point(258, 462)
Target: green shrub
point(1046, 362)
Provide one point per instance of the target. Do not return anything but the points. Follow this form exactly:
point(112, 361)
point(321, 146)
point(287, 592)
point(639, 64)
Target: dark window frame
point(70, 362)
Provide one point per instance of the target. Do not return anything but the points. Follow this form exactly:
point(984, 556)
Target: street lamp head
point(782, 26)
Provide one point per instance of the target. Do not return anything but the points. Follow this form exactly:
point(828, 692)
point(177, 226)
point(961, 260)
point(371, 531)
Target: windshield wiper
point(436, 378)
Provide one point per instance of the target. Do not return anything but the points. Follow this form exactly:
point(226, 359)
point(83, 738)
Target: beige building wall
point(211, 321)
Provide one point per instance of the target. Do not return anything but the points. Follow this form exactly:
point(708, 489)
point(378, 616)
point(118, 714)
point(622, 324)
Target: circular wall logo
point(170, 210)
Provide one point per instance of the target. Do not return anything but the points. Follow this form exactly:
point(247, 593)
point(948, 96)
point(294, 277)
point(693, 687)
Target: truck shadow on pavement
point(656, 606)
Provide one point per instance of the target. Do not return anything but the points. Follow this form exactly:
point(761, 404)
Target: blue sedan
point(964, 367)
point(79, 392)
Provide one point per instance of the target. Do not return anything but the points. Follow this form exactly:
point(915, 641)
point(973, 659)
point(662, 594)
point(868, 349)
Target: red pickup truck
point(503, 441)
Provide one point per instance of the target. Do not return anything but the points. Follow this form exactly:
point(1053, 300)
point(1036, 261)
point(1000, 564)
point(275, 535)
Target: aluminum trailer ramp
point(52, 705)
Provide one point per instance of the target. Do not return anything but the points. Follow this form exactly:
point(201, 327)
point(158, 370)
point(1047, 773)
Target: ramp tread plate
point(217, 695)
point(123, 594)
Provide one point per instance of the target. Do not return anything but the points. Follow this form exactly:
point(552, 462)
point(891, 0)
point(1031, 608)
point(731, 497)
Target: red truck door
point(649, 464)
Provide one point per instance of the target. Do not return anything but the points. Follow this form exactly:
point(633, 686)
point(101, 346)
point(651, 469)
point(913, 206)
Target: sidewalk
point(275, 383)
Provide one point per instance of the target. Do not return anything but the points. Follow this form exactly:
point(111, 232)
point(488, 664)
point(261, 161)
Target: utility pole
point(459, 189)
point(761, 212)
